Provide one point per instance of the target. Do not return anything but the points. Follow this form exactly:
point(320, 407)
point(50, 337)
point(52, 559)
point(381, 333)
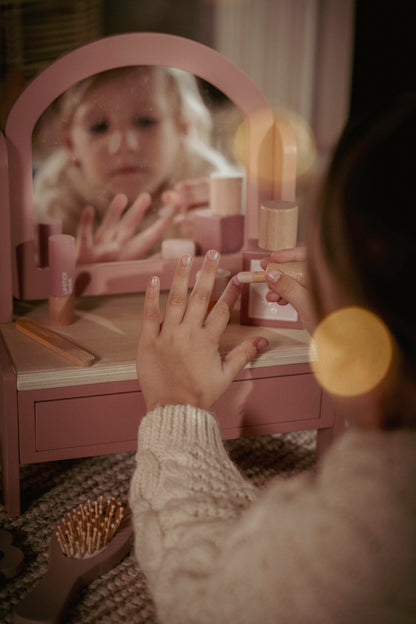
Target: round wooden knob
point(278, 225)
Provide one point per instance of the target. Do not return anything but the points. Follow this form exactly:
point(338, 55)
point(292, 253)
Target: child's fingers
point(297, 254)
point(84, 234)
point(84, 228)
point(141, 243)
point(220, 314)
point(134, 215)
point(178, 294)
point(170, 198)
point(112, 216)
point(287, 289)
point(193, 193)
point(198, 301)
point(151, 311)
point(274, 297)
point(244, 353)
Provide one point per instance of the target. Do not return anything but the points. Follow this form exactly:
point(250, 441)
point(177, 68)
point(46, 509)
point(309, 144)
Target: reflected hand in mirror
point(128, 131)
point(115, 237)
point(184, 197)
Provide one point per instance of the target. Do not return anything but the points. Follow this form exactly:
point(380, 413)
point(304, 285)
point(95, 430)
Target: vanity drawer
point(64, 423)
point(271, 405)
point(84, 421)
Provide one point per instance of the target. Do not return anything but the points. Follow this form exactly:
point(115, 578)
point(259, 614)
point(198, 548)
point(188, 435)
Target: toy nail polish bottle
point(221, 226)
point(278, 226)
point(174, 248)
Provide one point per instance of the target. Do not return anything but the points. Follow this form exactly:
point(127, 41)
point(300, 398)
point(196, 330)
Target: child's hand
point(284, 289)
point(115, 238)
point(184, 197)
point(188, 194)
point(178, 361)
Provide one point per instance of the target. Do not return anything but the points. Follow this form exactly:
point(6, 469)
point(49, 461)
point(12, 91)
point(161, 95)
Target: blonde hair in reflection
point(191, 109)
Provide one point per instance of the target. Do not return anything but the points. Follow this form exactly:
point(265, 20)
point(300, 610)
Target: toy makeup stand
point(53, 409)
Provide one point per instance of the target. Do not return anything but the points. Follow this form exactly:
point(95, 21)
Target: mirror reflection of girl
point(334, 545)
point(128, 136)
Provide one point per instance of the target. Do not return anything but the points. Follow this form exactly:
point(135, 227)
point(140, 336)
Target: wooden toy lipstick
point(295, 270)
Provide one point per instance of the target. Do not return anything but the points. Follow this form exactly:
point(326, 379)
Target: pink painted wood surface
point(61, 423)
point(6, 298)
point(211, 231)
point(82, 421)
point(107, 53)
point(9, 433)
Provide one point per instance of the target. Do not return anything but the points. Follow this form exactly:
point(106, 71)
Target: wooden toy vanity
point(52, 410)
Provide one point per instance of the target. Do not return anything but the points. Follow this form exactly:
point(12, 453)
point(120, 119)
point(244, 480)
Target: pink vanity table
point(52, 410)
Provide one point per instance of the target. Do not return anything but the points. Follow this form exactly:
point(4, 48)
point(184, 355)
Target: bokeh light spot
point(304, 137)
point(351, 351)
point(304, 141)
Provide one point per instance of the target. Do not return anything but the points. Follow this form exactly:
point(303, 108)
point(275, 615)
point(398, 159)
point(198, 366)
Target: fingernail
point(273, 276)
point(262, 344)
point(154, 281)
point(185, 260)
point(213, 254)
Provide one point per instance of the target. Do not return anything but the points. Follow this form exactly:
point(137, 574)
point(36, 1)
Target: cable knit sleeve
point(184, 494)
point(309, 550)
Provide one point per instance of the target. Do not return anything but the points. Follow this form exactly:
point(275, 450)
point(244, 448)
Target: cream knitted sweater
point(331, 546)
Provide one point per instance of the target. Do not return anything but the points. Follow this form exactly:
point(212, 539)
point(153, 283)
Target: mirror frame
point(31, 281)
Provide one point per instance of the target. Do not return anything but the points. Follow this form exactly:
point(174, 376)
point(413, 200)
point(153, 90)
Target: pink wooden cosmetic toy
point(212, 231)
point(173, 248)
point(221, 226)
point(61, 279)
point(278, 225)
point(225, 194)
point(45, 229)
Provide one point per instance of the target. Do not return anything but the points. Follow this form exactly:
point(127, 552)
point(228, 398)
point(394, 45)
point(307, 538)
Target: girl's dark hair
point(367, 216)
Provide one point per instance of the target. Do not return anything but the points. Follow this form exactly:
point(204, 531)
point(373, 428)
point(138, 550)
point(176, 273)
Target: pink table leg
point(9, 433)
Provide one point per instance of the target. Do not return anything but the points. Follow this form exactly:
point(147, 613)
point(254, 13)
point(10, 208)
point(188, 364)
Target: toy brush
point(88, 542)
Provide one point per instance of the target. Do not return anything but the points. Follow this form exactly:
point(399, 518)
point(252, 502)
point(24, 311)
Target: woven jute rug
point(49, 490)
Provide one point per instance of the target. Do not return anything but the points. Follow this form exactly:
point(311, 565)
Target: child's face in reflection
point(125, 134)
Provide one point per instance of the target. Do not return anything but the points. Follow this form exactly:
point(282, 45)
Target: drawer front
point(57, 428)
point(89, 420)
point(270, 405)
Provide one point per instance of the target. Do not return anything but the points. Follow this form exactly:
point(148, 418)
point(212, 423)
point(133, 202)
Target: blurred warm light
point(240, 143)
point(351, 351)
point(256, 130)
point(304, 138)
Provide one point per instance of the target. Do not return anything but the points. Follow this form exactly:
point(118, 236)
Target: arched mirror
point(151, 57)
point(126, 131)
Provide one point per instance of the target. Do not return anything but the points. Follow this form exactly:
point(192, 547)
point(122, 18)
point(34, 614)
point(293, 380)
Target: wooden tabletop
point(109, 327)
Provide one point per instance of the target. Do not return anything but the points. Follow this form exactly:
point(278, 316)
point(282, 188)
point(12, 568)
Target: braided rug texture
point(51, 489)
